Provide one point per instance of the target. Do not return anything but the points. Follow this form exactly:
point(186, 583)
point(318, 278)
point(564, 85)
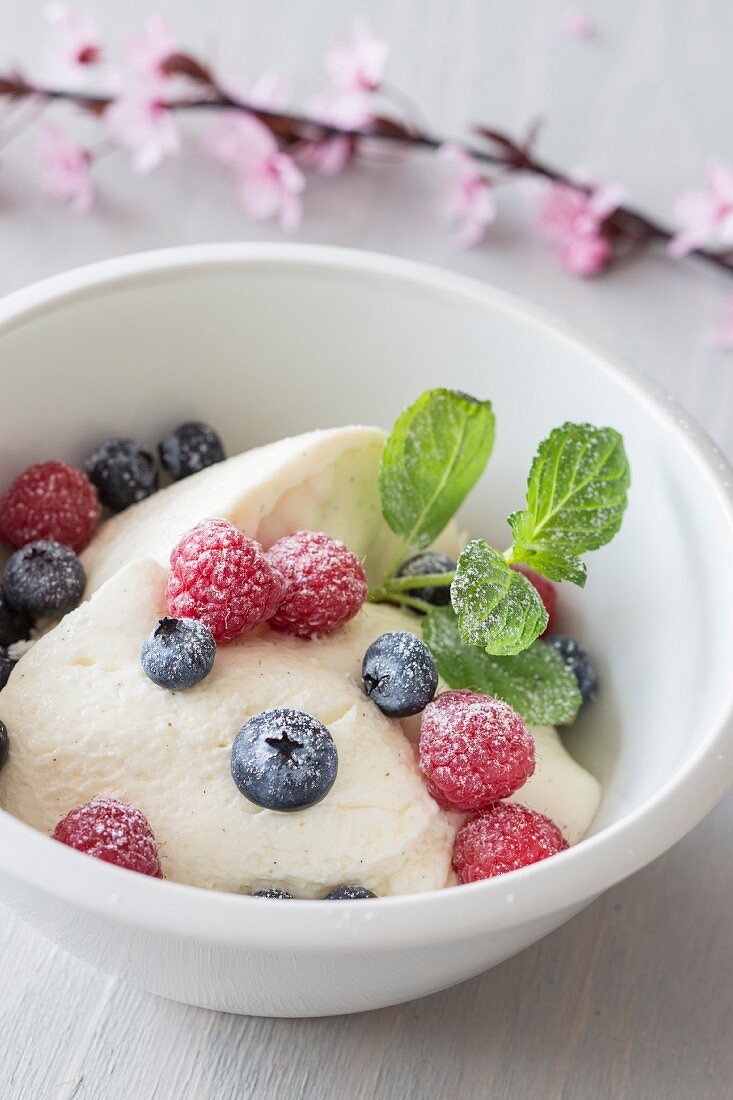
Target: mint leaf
point(536, 683)
point(553, 564)
point(576, 496)
point(497, 607)
point(435, 455)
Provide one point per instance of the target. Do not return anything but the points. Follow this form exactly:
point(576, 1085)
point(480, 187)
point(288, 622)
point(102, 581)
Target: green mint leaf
point(497, 607)
point(435, 455)
point(536, 683)
point(576, 496)
point(552, 564)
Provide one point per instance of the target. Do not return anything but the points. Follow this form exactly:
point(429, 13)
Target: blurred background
point(641, 103)
point(634, 997)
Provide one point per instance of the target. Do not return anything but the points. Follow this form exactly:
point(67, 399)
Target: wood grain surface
point(634, 998)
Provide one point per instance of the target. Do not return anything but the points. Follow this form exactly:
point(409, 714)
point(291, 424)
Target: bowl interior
point(266, 349)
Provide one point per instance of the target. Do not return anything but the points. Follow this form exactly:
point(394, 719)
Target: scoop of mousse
point(86, 722)
point(322, 481)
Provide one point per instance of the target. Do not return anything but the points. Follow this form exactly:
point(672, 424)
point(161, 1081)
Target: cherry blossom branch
point(272, 148)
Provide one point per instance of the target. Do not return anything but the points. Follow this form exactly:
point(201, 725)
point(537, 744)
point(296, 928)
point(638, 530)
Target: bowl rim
point(535, 893)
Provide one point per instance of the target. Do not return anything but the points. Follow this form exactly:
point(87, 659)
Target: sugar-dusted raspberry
point(474, 750)
point(504, 838)
point(113, 831)
point(325, 583)
point(546, 591)
point(223, 578)
point(51, 500)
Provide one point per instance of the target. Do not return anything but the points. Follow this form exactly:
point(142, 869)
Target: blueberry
point(577, 660)
point(273, 892)
point(178, 653)
point(44, 578)
point(191, 447)
point(123, 472)
point(7, 664)
point(429, 562)
point(399, 674)
point(4, 744)
point(349, 893)
point(14, 625)
point(284, 760)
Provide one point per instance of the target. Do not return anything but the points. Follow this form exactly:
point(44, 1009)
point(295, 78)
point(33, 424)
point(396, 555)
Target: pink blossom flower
point(584, 255)
point(355, 69)
point(357, 64)
point(723, 335)
point(328, 156)
point(566, 211)
point(65, 169)
point(706, 213)
point(349, 110)
point(148, 51)
point(571, 218)
point(270, 183)
point(469, 202)
point(577, 25)
point(138, 121)
point(76, 40)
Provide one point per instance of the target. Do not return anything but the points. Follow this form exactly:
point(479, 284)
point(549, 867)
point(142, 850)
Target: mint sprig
point(434, 456)
point(576, 497)
point(536, 683)
point(497, 607)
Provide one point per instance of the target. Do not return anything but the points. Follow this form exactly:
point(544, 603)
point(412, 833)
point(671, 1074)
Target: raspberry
point(223, 578)
point(325, 583)
point(546, 590)
point(113, 831)
point(51, 500)
point(504, 838)
point(474, 750)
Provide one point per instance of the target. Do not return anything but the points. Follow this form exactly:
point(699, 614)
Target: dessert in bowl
point(178, 657)
point(269, 343)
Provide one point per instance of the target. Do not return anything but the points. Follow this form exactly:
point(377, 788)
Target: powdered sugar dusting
point(178, 653)
point(325, 583)
point(504, 838)
point(474, 750)
point(399, 673)
point(113, 831)
point(284, 759)
point(223, 578)
point(51, 500)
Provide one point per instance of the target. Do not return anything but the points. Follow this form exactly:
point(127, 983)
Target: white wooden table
point(633, 998)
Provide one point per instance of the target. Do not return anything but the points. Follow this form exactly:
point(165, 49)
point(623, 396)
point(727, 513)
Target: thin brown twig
point(626, 226)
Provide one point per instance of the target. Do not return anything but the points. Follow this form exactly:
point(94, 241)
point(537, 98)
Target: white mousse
point(84, 720)
point(321, 481)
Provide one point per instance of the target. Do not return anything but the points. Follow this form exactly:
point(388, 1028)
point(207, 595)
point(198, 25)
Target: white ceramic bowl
point(264, 341)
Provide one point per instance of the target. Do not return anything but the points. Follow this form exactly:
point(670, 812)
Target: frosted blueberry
point(429, 562)
point(44, 578)
point(191, 447)
point(4, 743)
point(577, 660)
point(273, 892)
point(284, 760)
point(399, 674)
point(178, 654)
point(123, 472)
point(350, 893)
